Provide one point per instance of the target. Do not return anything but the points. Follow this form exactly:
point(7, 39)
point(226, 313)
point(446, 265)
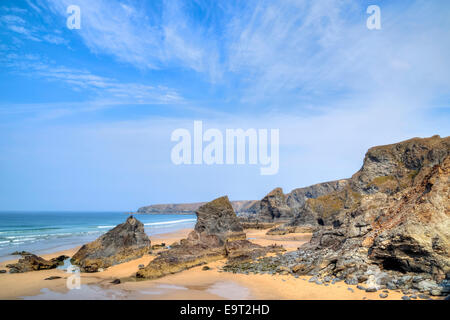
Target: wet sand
point(194, 283)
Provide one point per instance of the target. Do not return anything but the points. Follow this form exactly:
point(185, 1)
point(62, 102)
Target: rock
point(436, 292)
point(217, 234)
point(352, 280)
point(383, 295)
point(205, 268)
point(371, 289)
point(445, 287)
point(52, 278)
point(424, 296)
point(350, 289)
point(392, 213)
point(391, 286)
point(116, 281)
point(406, 298)
point(3, 271)
point(274, 207)
point(141, 266)
point(413, 296)
point(31, 262)
point(217, 220)
point(426, 285)
point(256, 224)
point(21, 253)
point(302, 268)
point(360, 287)
point(125, 242)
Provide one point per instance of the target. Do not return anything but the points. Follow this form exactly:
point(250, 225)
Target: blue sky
point(86, 115)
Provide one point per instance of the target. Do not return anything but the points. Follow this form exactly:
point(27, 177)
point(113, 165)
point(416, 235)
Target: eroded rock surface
point(127, 241)
point(388, 227)
point(32, 262)
point(217, 235)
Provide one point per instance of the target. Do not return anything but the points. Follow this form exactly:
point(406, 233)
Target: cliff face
point(388, 225)
point(386, 169)
point(408, 232)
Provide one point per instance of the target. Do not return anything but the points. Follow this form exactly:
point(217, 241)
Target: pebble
point(350, 289)
point(406, 298)
point(383, 295)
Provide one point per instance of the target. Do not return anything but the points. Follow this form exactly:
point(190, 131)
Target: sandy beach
point(194, 283)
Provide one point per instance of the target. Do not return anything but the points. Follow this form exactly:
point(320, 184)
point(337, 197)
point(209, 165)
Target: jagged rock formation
point(217, 234)
point(125, 242)
point(273, 207)
point(298, 197)
point(31, 262)
point(388, 227)
point(408, 232)
point(191, 208)
point(386, 169)
point(218, 219)
point(277, 206)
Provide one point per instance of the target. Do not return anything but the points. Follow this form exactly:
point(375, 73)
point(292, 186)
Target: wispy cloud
point(15, 20)
point(152, 36)
point(104, 92)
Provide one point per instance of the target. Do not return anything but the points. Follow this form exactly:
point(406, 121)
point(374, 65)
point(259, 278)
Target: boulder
point(217, 219)
point(125, 242)
point(32, 262)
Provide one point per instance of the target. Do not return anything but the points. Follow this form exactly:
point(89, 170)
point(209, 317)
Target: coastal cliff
point(387, 226)
point(190, 208)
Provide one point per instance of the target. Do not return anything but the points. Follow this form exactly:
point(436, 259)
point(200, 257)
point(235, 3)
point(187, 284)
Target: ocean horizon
point(42, 232)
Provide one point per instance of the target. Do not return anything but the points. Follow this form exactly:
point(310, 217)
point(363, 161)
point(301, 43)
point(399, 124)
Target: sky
point(86, 115)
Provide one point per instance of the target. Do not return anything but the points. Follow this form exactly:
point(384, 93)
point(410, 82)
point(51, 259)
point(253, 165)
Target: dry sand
point(190, 284)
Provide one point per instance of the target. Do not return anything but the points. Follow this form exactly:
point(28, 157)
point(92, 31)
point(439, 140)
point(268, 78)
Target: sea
point(48, 232)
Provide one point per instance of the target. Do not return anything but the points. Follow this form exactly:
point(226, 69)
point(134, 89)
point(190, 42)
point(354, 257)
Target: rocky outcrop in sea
point(127, 241)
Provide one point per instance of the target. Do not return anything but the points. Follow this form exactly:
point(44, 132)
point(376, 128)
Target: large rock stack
point(127, 241)
point(217, 235)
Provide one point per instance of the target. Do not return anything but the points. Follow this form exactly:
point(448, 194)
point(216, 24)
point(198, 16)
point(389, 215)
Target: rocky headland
point(388, 226)
point(191, 208)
